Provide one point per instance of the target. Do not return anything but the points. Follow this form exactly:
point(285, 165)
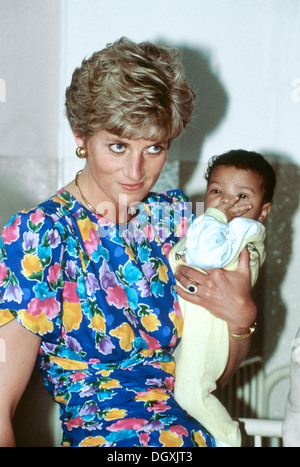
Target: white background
point(242, 57)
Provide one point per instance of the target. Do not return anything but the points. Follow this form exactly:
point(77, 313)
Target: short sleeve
point(31, 276)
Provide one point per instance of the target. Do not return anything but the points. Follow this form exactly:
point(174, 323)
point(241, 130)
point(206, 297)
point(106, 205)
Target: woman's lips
point(132, 187)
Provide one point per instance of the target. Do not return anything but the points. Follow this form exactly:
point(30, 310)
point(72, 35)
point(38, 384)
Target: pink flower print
point(75, 422)
point(152, 343)
point(37, 217)
point(69, 293)
point(169, 382)
point(78, 376)
point(160, 406)
point(166, 249)
point(3, 273)
point(127, 424)
point(179, 430)
point(54, 273)
point(148, 229)
point(11, 232)
point(49, 306)
point(184, 225)
point(177, 309)
point(92, 244)
point(116, 296)
point(144, 438)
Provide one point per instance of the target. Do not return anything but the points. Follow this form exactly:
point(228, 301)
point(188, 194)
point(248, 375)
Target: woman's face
point(119, 170)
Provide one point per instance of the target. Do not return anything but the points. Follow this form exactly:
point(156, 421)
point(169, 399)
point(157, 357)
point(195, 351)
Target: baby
point(240, 186)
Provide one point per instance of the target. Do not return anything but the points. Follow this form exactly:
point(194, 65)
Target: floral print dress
point(100, 296)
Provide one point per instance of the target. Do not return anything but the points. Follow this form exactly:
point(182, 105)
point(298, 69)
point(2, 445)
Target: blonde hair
point(132, 90)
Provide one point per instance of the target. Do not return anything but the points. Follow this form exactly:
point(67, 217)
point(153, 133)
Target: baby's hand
point(235, 207)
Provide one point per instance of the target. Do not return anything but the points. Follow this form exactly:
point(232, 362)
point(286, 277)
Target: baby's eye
point(242, 196)
point(216, 191)
point(118, 148)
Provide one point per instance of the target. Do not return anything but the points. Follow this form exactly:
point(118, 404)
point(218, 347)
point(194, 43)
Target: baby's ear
point(266, 208)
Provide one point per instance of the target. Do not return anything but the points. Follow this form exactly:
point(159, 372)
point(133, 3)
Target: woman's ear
point(266, 208)
point(80, 140)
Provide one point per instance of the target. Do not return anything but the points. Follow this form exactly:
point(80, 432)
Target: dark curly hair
point(246, 160)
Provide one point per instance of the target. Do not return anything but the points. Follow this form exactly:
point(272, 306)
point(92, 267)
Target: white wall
point(29, 68)
point(242, 57)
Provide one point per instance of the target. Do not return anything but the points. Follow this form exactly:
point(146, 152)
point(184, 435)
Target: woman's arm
point(227, 295)
point(20, 353)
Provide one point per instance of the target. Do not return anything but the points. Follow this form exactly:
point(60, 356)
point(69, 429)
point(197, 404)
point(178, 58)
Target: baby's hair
point(246, 160)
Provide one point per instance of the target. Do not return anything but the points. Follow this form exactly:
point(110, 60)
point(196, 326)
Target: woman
point(84, 278)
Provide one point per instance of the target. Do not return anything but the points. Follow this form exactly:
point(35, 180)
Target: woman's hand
point(226, 294)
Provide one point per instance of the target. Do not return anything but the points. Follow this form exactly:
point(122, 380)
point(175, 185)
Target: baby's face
point(227, 182)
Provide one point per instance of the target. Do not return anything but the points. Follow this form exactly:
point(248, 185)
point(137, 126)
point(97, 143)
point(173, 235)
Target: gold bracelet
point(244, 336)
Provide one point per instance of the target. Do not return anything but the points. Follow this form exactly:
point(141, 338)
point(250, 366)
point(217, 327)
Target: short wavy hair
point(136, 91)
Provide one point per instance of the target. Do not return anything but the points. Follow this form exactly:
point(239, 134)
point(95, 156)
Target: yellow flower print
point(93, 441)
point(84, 260)
point(126, 335)
point(85, 226)
point(147, 353)
point(178, 322)
point(150, 322)
point(170, 439)
point(31, 265)
point(68, 364)
point(61, 400)
point(38, 324)
point(168, 367)
point(152, 395)
point(97, 323)
point(199, 440)
point(115, 414)
point(72, 315)
point(163, 273)
point(111, 383)
point(129, 252)
point(60, 200)
point(104, 372)
point(5, 317)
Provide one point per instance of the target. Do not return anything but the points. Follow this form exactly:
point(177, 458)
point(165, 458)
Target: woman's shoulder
point(44, 216)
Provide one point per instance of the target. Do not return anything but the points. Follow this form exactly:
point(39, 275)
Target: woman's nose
point(134, 167)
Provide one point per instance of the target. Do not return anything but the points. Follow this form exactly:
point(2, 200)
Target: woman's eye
point(155, 149)
point(118, 148)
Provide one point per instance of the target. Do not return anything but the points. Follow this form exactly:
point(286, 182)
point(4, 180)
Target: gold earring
point(81, 153)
